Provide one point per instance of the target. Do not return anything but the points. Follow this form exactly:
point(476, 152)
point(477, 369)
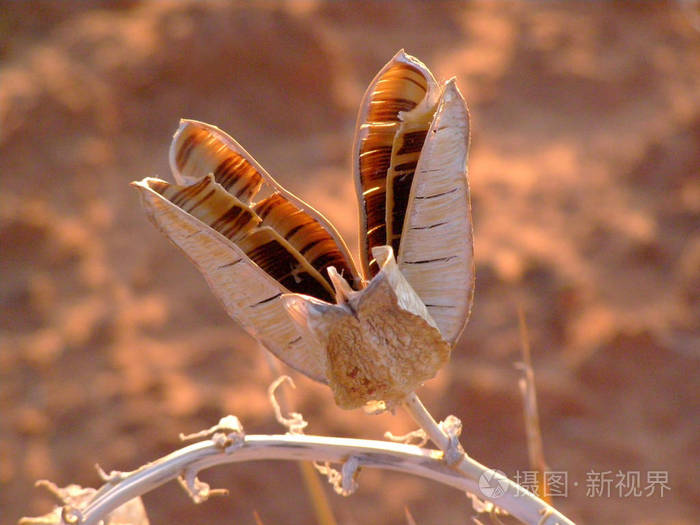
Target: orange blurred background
point(584, 169)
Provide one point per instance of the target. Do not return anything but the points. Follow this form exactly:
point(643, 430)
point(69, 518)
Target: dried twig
point(510, 496)
point(229, 444)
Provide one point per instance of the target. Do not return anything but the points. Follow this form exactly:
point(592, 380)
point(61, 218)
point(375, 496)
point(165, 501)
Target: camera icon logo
point(493, 484)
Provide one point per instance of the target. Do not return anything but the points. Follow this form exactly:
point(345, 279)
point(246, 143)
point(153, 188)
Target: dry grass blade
point(533, 432)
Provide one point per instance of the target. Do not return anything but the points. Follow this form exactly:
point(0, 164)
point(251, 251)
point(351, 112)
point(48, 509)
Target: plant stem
point(514, 499)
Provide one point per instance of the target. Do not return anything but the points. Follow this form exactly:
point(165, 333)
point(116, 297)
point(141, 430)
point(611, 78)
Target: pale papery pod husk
point(381, 344)
point(248, 294)
point(437, 251)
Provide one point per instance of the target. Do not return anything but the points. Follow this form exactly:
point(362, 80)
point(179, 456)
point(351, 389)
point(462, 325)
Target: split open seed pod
point(284, 273)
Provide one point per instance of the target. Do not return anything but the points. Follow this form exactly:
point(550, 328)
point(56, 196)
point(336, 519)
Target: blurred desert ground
point(584, 170)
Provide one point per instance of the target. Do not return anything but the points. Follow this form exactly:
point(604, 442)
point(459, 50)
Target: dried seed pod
point(278, 265)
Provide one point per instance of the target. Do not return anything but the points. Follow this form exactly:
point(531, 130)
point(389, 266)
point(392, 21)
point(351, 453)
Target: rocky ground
point(584, 170)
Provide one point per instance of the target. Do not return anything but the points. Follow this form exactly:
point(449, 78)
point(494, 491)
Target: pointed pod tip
point(147, 194)
point(400, 55)
point(182, 124)
point(149, 185)
point(192, 123)
point(383, 255)
point(403, 57)
point(453, 105)
point(188, 121)
point(451, 90)
point(143, 183)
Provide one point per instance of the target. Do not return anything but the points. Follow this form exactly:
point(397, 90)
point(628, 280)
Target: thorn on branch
point(198, 490)
point(416, 437)
point(295, 423)
point(70, 515)
point(482, 506)
point(343, 482)
point(452, 426)
point(349, 469)
point(227, 434)
point(113, 478)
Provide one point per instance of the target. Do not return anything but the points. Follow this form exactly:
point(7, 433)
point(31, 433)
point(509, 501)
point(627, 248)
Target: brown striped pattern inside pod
point(199, 152)
point(305, 234)
point(400, 88)
point(407, 148)
point(279, 259)
point(210, 203)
